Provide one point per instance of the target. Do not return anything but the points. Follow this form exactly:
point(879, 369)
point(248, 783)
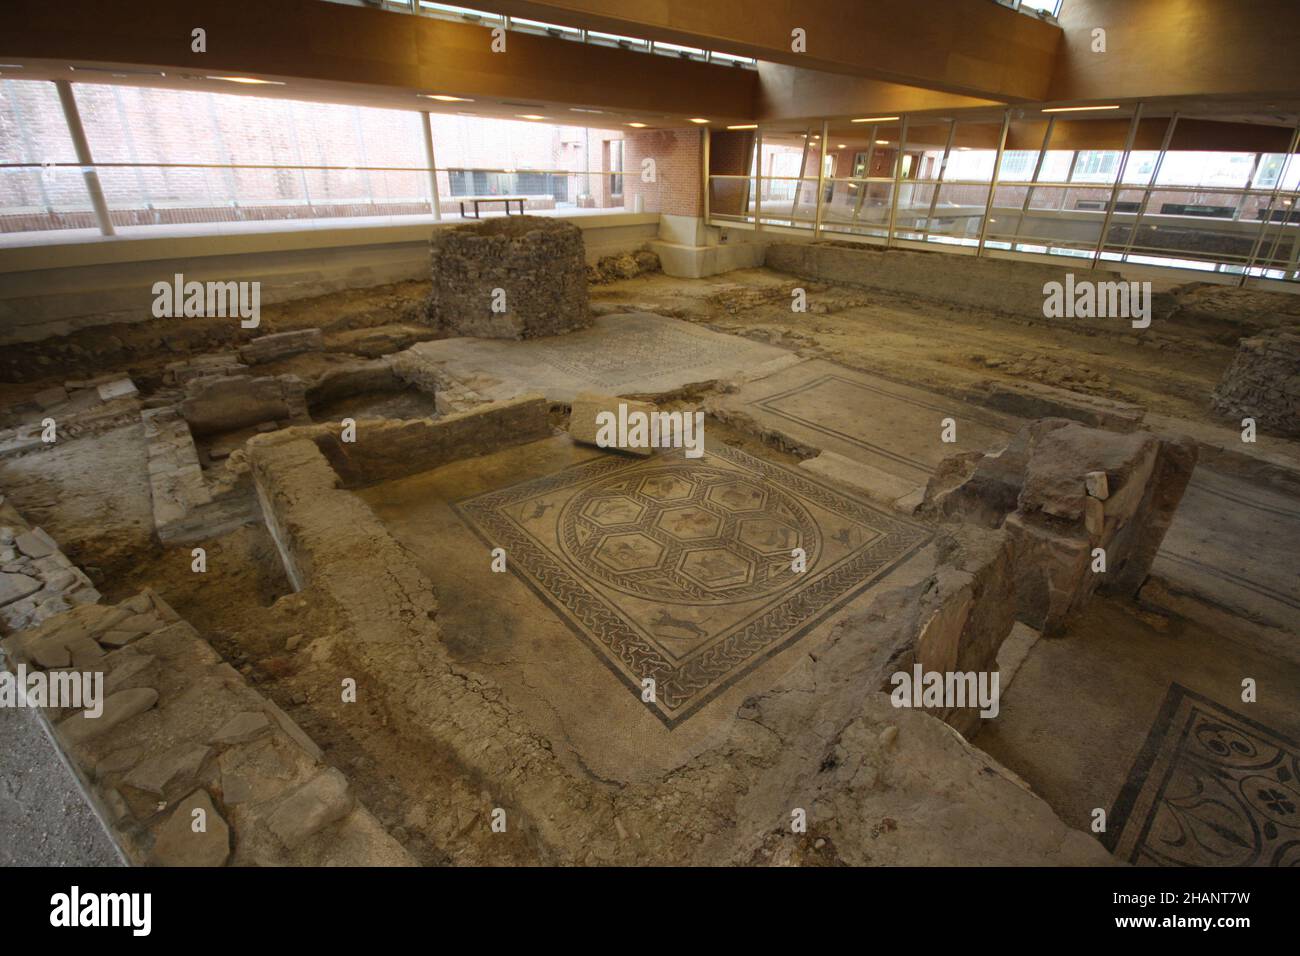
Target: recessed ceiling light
point(252, 80)
point(637, 125)
point(874, 119)
point(842, 146)
point(882, 142)
point(444, 98)
point(1077, 109)
point(698, 119)
point(744, 126)
point(530, 116)
point(115, 71)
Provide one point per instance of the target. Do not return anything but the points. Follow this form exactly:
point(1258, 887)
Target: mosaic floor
point(1202, 554)
point(890, 426)
point(1210, 788)
point(680, 570)
point(629, 353)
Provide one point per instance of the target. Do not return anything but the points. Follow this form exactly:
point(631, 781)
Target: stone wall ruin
point(537, 263)
point(1263, 382)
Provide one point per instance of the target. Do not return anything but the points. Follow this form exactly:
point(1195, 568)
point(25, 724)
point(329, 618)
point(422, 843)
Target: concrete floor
point(44, 817)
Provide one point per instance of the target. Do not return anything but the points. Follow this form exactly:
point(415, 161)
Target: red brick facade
point(677, 156)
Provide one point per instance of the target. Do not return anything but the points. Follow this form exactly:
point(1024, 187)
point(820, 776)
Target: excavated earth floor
point(685, 554)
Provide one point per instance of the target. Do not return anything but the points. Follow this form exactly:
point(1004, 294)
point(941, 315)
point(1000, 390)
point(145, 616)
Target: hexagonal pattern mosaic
point(681, 569)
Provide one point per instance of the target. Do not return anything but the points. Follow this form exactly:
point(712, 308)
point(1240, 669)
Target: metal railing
point(1257, 236)
point(436, 187)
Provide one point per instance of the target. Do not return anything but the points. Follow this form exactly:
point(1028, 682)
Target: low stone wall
point(377, 375)
point(182, 732)
point(281, 345)
point(989, 284)
point(517, 277)
point(1035, 400)
point(178, 731)
point(1062, 490)
point(385, 449)
point(77, 407)
point(37, 580)
point(1263, 382)
point(189, 506)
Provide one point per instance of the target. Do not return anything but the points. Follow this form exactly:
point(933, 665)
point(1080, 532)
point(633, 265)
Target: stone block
point(118, 708)
point(14, 586)
point(1135, 545)
point(316, 804)
point(118, 388)
point(1074, 488)
point(281, 345)
point(1097, 485)
point(178, 843)
point(242, 728)
point(222, 404)
point(583, 425)
point(1055, 476)
point(48, 398)
point(1052, 573)
point(539, 266)
point(177, 767)
point(36, 543)
point(1094, 516)
point(1263, 382)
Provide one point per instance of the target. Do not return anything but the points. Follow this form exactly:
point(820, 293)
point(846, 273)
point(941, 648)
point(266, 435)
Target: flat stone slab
point(36, 544)
point(625, 354)
point(587, 408)
point(895, 428)
point(680, 569)
point(184, 841)
point(15, 586)
point(320, 801)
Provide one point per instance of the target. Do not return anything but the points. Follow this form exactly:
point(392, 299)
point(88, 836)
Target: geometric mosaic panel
point(1209, 788)
point(679, 569)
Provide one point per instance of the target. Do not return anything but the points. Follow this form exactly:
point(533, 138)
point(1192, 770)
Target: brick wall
point(677, 155)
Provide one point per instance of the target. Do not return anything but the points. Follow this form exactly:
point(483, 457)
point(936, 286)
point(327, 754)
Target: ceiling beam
point(353, 54)
point(971, 47)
